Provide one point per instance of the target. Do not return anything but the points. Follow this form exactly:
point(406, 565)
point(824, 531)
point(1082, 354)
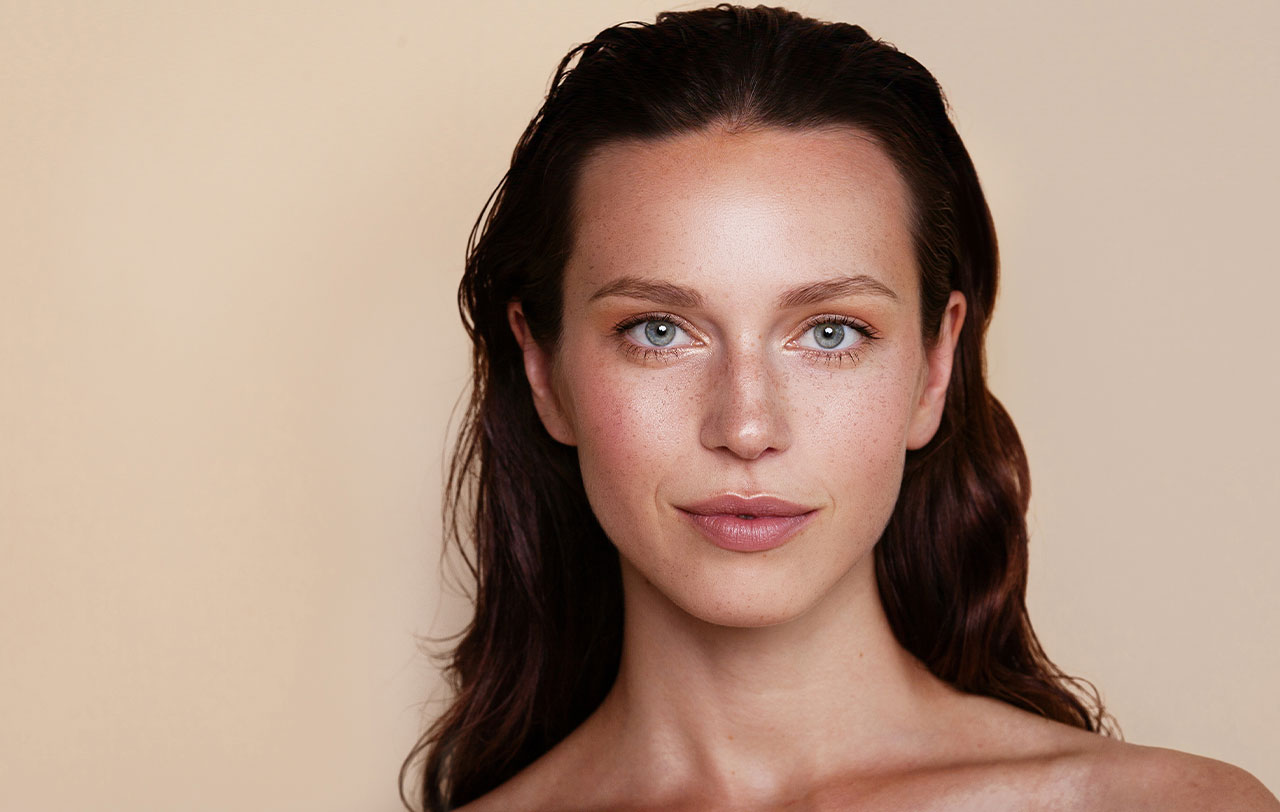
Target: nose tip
point(746, 413)
point(748, 442)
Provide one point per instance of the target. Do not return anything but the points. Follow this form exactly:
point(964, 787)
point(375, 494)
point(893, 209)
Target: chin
point(741, 617)
point(745, 594)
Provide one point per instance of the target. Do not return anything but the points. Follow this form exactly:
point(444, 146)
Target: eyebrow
point(637, 287)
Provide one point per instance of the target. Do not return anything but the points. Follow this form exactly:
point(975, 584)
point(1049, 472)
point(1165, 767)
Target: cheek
point(851, 443)
point(864, 415)
point(872, 453)
point(632, 432)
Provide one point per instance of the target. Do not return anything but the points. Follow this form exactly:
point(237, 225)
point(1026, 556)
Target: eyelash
point(852, 354)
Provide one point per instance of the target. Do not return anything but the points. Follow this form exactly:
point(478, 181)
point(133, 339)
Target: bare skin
point(771, 680)
point(1031, 764)
point(928, 747)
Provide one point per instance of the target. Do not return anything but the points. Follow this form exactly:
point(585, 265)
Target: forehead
point(760, 208)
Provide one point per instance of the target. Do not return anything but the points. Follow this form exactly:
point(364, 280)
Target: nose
point(746, 408)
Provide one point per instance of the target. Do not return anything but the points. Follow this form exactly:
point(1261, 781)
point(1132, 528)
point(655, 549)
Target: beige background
point(230, 235)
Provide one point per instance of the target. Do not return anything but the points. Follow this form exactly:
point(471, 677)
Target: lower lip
point(748, 535)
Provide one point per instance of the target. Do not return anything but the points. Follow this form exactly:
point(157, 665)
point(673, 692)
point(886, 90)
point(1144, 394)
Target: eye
point(655, 333)
point(834, 335)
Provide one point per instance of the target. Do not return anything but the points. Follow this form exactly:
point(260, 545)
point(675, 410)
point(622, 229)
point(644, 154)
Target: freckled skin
point(739, 218)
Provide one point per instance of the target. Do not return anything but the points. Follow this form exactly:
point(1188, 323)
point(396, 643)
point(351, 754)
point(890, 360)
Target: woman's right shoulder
point(530, 790)
point(495, 801)
point(524, 792)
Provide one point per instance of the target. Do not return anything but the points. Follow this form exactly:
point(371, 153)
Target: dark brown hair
point(543, 647)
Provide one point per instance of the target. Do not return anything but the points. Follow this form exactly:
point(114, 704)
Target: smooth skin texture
point(771, 680)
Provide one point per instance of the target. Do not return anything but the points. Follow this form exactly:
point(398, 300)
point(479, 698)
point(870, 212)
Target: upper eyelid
point(632, 321)
point(835, 318)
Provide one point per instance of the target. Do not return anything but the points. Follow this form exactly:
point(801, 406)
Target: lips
point(747, 524)
point(731, 505)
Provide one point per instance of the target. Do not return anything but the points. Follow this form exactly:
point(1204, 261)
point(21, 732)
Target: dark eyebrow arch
point(637, 287)
point(834, 289)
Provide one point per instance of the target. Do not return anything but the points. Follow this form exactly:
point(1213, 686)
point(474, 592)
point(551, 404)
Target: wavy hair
point(543, 647)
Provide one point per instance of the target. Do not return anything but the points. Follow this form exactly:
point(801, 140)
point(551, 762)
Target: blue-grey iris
point(828, 335)
point(659, 332)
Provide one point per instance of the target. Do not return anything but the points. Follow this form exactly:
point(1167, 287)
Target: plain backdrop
point(230, 238)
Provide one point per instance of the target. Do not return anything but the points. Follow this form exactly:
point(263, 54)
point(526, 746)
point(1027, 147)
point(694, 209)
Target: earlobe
point(537, 369)
point(939, 359)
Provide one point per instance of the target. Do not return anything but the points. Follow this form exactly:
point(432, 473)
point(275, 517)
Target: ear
point(537, 368)
point(937, 374)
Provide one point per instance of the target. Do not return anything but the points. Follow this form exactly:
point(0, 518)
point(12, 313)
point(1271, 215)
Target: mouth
point(747, 524)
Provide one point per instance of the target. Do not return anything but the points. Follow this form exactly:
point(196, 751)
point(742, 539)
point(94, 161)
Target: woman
point(749, 528)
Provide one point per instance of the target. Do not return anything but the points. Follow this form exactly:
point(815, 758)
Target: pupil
point(829, 335)
point(659, 332)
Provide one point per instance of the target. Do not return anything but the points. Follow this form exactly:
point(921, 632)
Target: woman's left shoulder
point(1120, 775)
point(1056, 762)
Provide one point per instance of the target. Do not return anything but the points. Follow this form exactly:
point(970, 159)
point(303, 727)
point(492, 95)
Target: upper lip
point(733, 505)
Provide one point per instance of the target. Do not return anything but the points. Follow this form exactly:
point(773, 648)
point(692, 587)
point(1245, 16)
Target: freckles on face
point(741, 317)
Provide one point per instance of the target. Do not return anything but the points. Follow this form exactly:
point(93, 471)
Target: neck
point(748, 713)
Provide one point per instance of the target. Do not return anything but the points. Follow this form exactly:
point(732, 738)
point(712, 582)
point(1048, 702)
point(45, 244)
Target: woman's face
point(741, 319)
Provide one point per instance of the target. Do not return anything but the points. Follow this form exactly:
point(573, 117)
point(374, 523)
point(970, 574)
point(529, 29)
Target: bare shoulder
point(1131, 776)
point(1065, 767)
point(547, 784)
point(503, 799)
point(520, 792)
